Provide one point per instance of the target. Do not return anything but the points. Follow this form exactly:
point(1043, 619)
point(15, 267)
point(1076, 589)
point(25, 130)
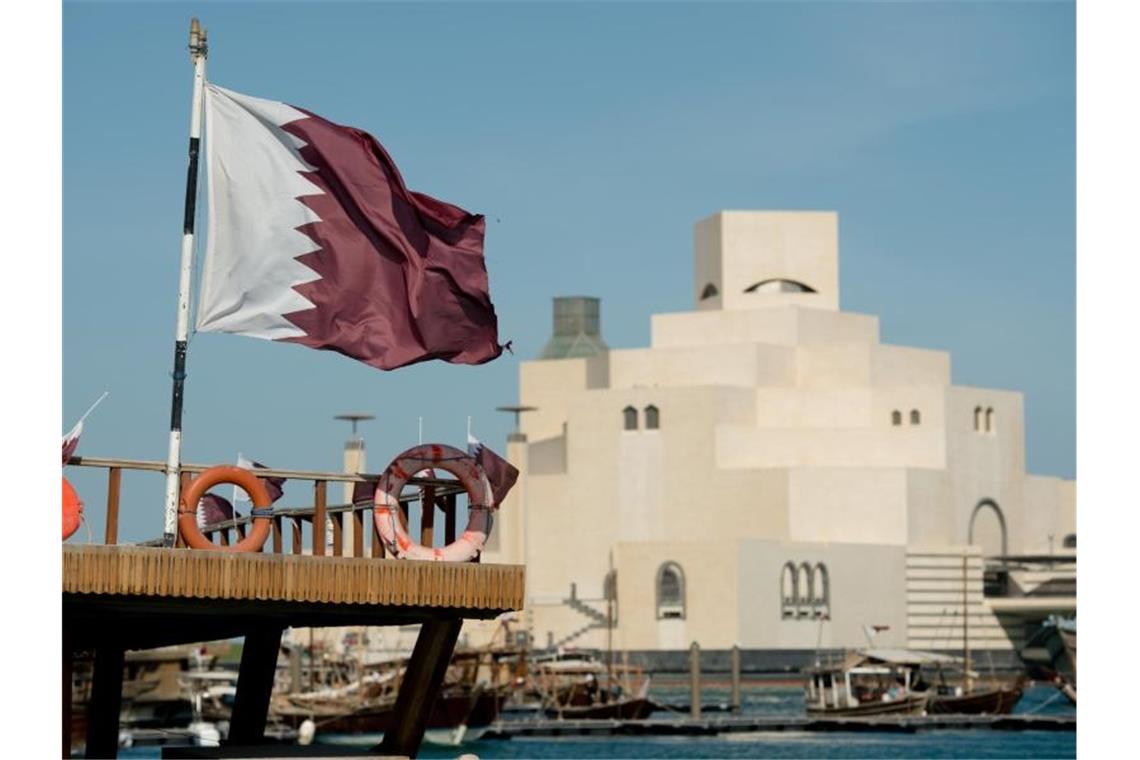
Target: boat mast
point(966, 623)
point(198, 52)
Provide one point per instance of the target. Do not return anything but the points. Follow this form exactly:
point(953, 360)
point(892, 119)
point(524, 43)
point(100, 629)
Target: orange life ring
point(244, 479)
point(72, 510)
point(386, 503)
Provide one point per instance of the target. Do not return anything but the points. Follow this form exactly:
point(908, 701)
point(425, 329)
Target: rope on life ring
point(72, 510)
point(244, 479)
point(386, 503)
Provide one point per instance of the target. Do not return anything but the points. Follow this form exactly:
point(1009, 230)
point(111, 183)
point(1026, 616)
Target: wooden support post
point(357, 532)
point(278, 539)
point(254, 686)
point(68, 662)
point(320, 519)
point(420, 687)
point(695, 681)
point(294, 669)
point(114, 480)
point(106, 702)
point(427, 516)
point(735, 701)
point(449, 519)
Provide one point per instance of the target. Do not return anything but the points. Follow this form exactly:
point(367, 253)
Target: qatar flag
point(501, 474)
point(314, 239)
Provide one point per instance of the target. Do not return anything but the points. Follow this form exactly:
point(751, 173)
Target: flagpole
point(198, 53)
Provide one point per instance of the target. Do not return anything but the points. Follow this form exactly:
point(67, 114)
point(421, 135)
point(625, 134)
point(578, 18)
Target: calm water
point(773, 700)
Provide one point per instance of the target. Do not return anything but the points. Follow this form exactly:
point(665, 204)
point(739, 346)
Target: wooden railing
point(431, 493)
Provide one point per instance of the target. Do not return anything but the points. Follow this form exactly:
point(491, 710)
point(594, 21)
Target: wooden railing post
point(427, 516)
point(377, 541)
point(184, 483)
point(357, 532)
point(449, 519)
point(114, 480)
point(320, 518)
point(298, 536)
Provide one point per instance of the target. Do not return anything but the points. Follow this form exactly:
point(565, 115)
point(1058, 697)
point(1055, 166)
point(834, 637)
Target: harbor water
point(767, 700)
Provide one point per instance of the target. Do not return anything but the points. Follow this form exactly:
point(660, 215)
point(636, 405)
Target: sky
point(593, 137)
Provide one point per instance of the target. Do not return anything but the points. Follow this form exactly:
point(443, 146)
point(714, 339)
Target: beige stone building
point(768, 473)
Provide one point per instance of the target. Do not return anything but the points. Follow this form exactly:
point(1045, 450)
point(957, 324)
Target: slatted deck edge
point(183, 573)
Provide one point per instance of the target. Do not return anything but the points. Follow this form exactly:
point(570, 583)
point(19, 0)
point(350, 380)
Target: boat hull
point(449, 712)
point(1000, 701)
point(630, 709)
point(913, 704)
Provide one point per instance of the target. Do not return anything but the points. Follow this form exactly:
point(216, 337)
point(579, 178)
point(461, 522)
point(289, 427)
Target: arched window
point(670, 591)
point(896, 417)
point(709, 292)
point(630, 416)
point(978, 419)
point(821, 591)
point(652, 418)
point(987, 529)
point(990, 422)
point(788, 599)
point(804, 590)
point(1070, 541)
point(915, 417)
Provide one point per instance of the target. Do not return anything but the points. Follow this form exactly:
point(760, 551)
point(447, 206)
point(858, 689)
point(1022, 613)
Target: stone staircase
point(597, 619)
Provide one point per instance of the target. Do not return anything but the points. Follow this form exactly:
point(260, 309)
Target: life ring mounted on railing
point(72, 510)
point(386, 503)
point(244, 479)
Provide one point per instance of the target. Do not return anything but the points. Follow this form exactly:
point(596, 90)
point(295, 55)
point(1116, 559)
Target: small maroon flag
point(314, 239)
point(71, 440)
point(500, 473)
point(214, 509)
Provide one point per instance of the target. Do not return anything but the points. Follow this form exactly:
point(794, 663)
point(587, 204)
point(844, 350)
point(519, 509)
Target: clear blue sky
point(592, 137)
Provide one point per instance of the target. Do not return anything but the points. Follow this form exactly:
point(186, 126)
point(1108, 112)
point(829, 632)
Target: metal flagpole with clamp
point(174, 453)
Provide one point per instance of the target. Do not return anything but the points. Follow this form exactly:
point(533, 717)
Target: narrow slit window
point(915, 417)
point(896, 418)
point(629, 415)
point(652, 418)
point(990, 420)
point(670, 591)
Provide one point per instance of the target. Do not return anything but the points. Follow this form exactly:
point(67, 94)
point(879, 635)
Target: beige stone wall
point(710, 570)
point(747, 247)
point(776, 431)
point(866, 588)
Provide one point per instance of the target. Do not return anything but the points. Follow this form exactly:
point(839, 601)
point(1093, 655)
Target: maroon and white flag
point(501, 474)
point(314, 239)
point(213, 508)
point(71, 440)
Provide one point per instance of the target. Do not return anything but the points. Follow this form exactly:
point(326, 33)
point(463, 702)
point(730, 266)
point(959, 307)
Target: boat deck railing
point(311, 527)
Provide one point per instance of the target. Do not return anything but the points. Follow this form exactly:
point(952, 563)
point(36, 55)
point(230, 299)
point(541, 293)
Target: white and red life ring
point(386, 503)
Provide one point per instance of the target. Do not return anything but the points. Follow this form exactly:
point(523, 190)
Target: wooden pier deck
point(761, 723)
point(117, 598)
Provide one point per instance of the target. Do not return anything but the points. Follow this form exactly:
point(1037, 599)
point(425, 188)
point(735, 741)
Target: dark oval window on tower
point(896, 417)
